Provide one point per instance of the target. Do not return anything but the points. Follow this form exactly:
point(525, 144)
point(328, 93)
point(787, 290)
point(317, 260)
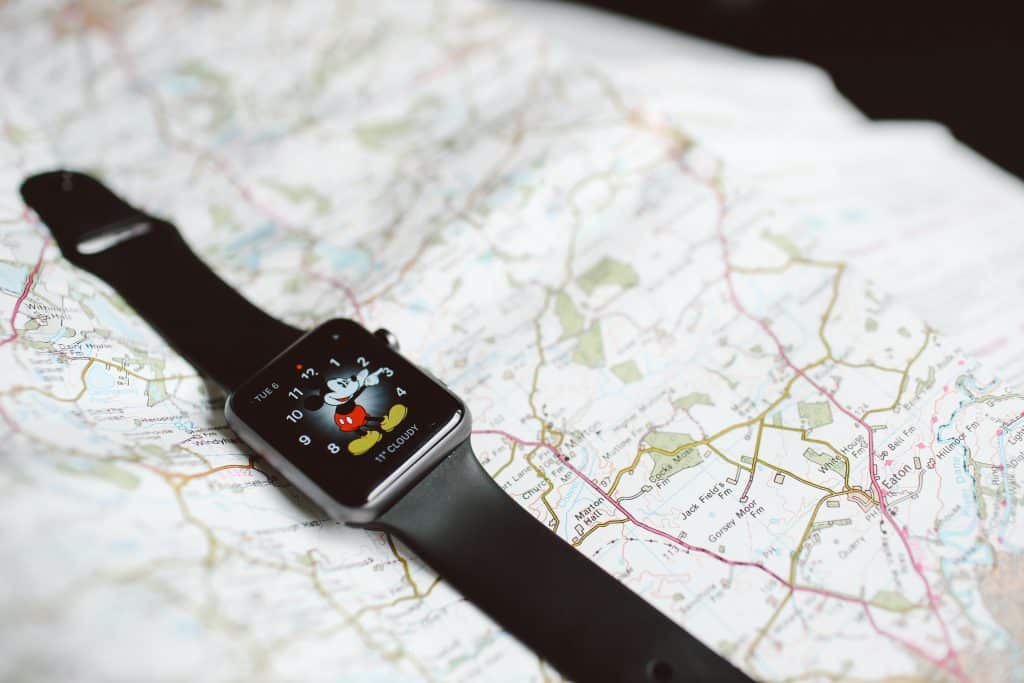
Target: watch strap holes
point(659, 671)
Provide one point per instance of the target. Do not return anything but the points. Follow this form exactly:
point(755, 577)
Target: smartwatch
point(376, 441)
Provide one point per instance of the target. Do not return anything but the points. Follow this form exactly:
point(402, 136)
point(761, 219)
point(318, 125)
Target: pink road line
point(647, 527)
point(907, 644)
point(24, 292)
point(698, 549)
point(872, 471)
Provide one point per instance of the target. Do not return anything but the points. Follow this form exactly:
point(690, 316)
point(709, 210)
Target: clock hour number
point(294, 416)
point(308, 373)
point(400, 391)
point(363, 363)
point(333, 447)
point(388, 372)
point(305, 440)
point(295, 393)
point(335, 363)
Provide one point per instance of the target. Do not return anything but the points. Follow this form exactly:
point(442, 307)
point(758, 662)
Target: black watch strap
point(149, 264)
point(555, 600)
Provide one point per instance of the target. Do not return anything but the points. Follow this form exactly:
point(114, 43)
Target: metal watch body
point(445, 435)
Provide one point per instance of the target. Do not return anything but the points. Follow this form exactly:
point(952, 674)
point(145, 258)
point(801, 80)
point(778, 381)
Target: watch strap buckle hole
point(660, 671)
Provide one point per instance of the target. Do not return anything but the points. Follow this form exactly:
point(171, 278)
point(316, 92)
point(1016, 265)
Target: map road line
point(695, 548)
point(873, 475)
point(24, 292)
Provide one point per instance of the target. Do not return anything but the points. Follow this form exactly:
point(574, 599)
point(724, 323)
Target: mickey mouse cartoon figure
point(349, 416)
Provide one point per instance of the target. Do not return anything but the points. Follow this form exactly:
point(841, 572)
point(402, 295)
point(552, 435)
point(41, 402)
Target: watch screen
point(345, 408)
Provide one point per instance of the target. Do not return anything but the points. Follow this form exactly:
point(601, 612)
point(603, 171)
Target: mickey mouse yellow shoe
point(364, 443)
point(394, 417)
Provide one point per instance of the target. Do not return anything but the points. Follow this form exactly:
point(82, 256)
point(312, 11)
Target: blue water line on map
point(1003, 540)
point(969, 386)
point(977, 555)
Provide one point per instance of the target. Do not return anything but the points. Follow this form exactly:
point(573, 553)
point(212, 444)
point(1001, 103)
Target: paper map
point(677, 355)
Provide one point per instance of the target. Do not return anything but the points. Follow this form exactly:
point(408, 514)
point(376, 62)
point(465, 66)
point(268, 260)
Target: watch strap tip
point(76, 206)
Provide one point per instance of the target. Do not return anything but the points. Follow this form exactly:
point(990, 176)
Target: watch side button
point(388, 337)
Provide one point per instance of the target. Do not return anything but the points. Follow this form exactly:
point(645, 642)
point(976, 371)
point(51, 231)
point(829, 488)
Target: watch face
point(345, 409)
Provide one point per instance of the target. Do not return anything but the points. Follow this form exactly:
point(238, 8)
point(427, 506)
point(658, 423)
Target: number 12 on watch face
point(346, 403)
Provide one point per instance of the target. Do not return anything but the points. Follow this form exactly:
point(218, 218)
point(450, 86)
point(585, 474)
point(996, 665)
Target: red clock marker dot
point(298, 367)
